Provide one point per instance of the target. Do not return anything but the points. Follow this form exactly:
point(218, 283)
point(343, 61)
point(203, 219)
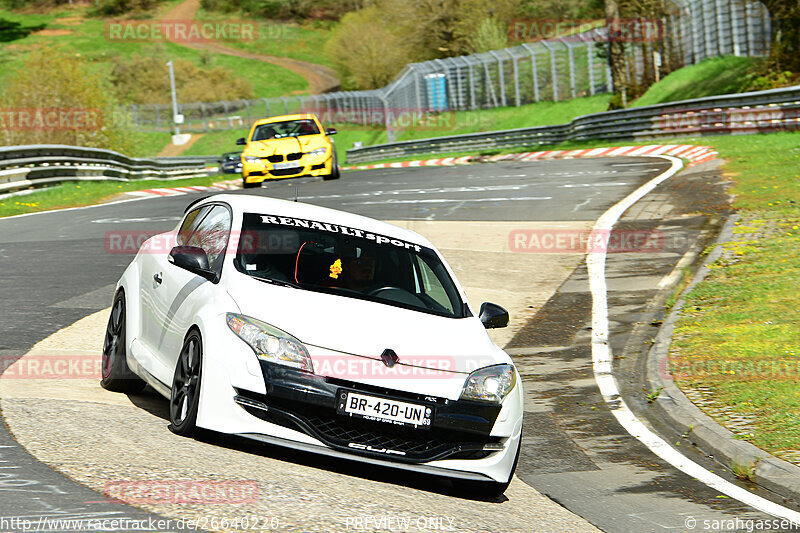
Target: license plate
point(384, 410)
point(287, 164)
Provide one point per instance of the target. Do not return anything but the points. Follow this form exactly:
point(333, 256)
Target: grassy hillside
point(75, 32)
point(305, 41)
point(716, 75)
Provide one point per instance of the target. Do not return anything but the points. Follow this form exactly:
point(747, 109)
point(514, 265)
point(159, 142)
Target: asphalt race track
point(56, 270)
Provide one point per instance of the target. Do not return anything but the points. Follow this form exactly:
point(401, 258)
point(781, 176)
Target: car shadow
point(152, 402)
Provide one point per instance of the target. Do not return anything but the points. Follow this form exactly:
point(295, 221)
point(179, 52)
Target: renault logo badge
point(389, 358)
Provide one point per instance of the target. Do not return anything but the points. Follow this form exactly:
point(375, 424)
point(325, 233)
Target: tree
point(616, 54)
point(56, 98)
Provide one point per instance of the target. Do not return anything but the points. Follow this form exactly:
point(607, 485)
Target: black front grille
point(286, 171)
point(356, 435)
point(275, 158)
point(294, 156)
point(317, 167)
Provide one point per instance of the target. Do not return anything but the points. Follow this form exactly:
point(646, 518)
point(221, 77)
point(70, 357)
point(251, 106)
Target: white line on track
point(603, 374)
point(447, 200)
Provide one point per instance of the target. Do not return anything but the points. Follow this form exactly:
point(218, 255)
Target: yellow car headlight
point(318, 151)
point(252, 159)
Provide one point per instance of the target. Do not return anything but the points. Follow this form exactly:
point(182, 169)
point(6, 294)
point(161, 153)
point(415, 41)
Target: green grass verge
point(74, 194)
point(739, 335)
point(716, 75)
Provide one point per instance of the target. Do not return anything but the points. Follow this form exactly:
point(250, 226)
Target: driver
point(358, 272)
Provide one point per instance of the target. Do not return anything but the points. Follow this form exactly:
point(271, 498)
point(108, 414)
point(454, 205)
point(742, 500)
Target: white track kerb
point(602, 364)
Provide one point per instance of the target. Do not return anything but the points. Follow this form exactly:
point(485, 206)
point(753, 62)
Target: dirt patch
point(70, 21)
point(53, 33)
point(172, 150)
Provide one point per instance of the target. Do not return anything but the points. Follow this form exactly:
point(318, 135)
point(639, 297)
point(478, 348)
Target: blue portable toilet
point(437, 91)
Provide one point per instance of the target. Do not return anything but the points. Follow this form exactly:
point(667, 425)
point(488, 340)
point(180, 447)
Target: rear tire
point(116, 376)
point(185, 398)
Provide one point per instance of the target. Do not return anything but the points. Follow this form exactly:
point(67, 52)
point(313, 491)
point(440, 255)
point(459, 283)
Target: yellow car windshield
point(289, 128)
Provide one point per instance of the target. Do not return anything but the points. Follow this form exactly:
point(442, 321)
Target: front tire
point(246, 185)
point(335, 172)
point(116, 376)
point(185, 398)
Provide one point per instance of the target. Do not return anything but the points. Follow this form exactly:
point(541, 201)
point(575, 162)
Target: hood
point(287, 145)
point(350, 326)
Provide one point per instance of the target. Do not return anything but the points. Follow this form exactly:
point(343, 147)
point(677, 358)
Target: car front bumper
point(307, 403)
point(255, 172)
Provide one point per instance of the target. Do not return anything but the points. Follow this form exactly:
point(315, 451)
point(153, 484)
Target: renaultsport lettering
point(335, 228)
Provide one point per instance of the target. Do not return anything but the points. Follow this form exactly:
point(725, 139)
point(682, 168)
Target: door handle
point(157, 279)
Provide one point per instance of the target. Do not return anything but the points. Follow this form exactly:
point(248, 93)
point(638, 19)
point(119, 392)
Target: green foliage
point(560, 9)
point(19, 4)
point(367, 54)
point(121, 7)
point(52, 83)
point(144, 79)
point(490, 35)
point(370, 46)
point(11, 30)
point(285, 9)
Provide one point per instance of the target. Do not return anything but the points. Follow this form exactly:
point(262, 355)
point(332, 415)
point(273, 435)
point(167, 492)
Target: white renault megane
point(319, 330)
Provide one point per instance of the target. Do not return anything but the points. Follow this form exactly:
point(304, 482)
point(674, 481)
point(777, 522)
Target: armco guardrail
point(22, 167)
point(754, 112)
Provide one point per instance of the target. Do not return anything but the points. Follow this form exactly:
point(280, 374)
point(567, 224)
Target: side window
point(211, 234)
point(189, 223)
point(428, 283)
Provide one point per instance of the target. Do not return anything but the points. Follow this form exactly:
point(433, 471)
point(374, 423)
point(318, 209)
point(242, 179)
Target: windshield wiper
point(280, 282)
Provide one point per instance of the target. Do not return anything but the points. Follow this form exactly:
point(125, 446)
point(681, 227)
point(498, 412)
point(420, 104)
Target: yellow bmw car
point(288, 146)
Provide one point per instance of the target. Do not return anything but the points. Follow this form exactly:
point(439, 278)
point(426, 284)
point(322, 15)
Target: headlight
point(269, 343)
point(318, 151)
point(252, 159)
point(491, 384)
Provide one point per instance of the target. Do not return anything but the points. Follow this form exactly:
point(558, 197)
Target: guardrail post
point(158, 117)
point(590, 63)
point(553, 69)
point(516, 81)
point(285, 104)
point(135, 116)
point(501, 75)
point(571, 56)
point(534, 70)
point(227, 115)
point(203, 115)
point(721, 35)
point(473, 103)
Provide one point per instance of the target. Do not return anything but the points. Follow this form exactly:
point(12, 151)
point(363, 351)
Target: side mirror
point(193, 259)
point(331, 131)
point(241, 140)
point(493, 316)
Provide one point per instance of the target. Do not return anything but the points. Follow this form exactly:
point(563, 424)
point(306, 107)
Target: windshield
point(346, 261)
point(288, 128)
